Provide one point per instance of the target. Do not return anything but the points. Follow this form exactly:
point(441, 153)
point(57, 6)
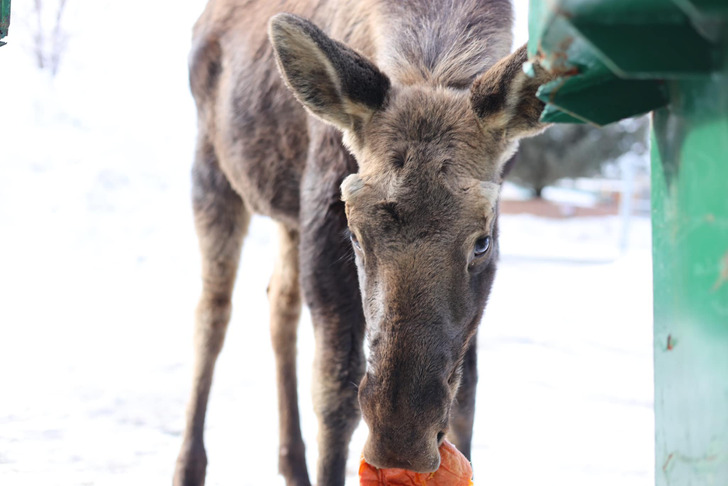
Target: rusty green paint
point(4, 19)
point(622, 48)
point(617, 58)
point(585, 73)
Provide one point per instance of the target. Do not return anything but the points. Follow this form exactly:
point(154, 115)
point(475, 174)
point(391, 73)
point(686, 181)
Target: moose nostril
point(440, 436)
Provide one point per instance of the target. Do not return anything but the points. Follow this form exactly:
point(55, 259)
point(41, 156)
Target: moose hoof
point(292, 465)
point(191, 466)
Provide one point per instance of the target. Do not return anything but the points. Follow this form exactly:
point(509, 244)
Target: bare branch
point(58, 39)
point(38, 37)
point(49, 37)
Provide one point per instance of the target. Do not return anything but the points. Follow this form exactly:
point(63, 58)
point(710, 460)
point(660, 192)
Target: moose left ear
point(334, 82)
point(504, 97)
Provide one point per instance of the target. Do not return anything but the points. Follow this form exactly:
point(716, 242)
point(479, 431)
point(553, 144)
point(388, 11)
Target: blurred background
point(99, 278)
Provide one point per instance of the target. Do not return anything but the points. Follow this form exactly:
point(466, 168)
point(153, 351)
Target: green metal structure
point(4, 19)
point(619, 58)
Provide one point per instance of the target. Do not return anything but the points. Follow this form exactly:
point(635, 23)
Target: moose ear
point(504, 97)
point(334, 82)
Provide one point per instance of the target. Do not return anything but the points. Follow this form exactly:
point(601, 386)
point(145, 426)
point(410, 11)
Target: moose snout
point(406, 423)
point(419, 455)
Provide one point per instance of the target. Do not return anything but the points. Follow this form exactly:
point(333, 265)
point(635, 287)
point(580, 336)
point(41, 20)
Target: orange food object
point(454, 470)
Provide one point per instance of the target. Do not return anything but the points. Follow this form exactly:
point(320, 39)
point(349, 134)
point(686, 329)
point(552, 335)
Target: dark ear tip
point(279, 22)
point(285, 21)
point(281, 19)
point(284, 26)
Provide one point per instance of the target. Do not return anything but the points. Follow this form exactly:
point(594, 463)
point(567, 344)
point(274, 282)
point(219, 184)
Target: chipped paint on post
point(723, 273)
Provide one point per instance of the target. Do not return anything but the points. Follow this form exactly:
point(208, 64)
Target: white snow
point(99, 279)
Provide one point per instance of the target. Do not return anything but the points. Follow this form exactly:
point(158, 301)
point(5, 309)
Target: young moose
point(393, 136)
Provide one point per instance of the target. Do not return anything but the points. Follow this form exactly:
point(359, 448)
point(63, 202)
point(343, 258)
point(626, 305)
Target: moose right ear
point(332, 81)
point(504, 97)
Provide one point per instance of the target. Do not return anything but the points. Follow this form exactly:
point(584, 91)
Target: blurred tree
point(570, 151)
point(49, 37)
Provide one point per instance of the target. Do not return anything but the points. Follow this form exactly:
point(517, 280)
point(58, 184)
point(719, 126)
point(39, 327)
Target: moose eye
point(481, 246)
point(355, 241)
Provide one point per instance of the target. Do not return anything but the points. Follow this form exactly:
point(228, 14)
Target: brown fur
point(396, 125)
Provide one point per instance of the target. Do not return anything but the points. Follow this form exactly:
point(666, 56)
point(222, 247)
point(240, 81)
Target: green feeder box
point(620, 58)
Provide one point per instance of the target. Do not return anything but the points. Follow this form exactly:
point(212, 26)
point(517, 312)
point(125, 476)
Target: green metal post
point(690, 248)
point(4, 19)
point(619, 58)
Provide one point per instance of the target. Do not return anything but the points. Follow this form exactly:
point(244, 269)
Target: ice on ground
point(99, 278)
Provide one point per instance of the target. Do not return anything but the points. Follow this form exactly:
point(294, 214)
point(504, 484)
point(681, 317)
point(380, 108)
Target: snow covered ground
point(99, 278)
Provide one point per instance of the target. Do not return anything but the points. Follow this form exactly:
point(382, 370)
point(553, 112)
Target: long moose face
point(423, 231)
point(422, 214)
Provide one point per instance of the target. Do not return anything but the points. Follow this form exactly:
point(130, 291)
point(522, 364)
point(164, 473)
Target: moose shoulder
point(385, 121)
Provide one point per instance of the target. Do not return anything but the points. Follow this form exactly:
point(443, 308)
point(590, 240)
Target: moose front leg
point(338, 368)
point(331, 291)
point(221, 221)
point(463, 412)
point(285, 308)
